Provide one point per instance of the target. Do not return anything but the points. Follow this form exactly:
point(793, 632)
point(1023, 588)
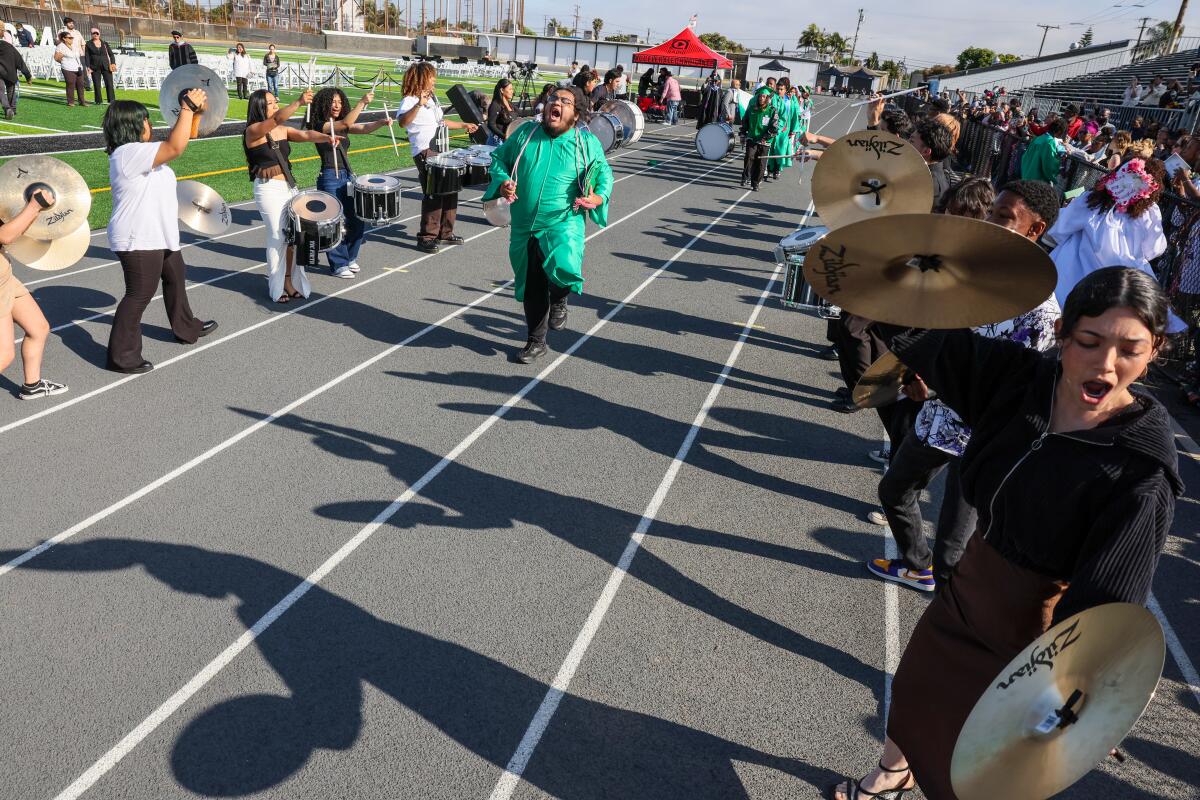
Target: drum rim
point(394, 184)
point(331, 203)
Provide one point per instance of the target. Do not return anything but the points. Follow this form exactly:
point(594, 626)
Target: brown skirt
point(991, 610)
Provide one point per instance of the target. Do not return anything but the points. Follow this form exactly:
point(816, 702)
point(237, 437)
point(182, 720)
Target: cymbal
point(72, 200)
point(201, 209)
point(930, 271)
point(880, 384)
point(1101, 666)
point(56, 254)
point(515, 125)
point(194, 76)
point(869, 174)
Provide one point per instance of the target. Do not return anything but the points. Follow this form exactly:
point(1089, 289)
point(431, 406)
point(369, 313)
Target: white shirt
point(145, 212)
point(622, 82)
point(70, 61)
point(241, 65)
point(423, 125)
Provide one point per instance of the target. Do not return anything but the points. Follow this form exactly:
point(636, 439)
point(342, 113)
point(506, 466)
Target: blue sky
point(923, 31)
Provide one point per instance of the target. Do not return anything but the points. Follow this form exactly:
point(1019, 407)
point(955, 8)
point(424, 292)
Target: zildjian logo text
point(880, 147)
point(59, 216)
point(833, 266)
point(1043, 656)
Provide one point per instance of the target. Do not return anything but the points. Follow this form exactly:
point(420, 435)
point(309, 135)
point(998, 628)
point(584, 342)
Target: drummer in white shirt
point(421, 116)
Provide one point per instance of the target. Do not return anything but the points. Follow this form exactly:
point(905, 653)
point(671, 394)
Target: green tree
point(559, 28)
point(811, 38)
point(1008, 58)
point(836, 45)
point(621, 37)
point(938, 69)
point(1086, 39)
point(597, 26)
point(872, 61)
point(975, 57)
point(895, 71)
point(720, 43)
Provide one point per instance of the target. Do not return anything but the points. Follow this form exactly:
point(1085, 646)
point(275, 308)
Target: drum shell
point(444, 176)
point(479, 170)
point(375, 206)
point(309, 237)
point(604, 125)
point(796, 291)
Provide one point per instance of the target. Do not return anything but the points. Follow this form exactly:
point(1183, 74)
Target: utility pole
point(1045, 29)
point(1177, 30)
point(1141, 31)
point(575, 28)
point(854, 46)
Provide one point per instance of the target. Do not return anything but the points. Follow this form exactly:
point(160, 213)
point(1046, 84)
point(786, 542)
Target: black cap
point(176, 33)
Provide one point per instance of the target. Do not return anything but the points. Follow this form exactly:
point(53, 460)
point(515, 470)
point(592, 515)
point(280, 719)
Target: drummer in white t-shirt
point(143, 230)
point(421, 116)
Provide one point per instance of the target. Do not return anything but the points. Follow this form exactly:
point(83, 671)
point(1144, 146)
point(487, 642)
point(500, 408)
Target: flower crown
point(1129, 184)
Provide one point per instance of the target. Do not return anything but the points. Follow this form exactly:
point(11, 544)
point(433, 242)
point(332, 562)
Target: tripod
point(525, 74)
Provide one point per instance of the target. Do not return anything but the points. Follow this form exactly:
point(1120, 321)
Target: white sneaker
point(344, 272)
point(877, 518)
point(883, 455)
point(353, 267)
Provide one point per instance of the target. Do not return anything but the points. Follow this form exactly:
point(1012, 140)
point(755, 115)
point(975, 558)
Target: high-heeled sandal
point(854, 789)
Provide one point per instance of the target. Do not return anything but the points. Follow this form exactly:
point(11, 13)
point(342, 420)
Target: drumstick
point(391, 129)
point(886, 96)
point(333, 140)
point(308, 108)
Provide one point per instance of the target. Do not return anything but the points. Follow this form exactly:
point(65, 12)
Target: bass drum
point(608, 129)
point(313, 222)
point(377, 199)
point(632, 119)
point(714, 141)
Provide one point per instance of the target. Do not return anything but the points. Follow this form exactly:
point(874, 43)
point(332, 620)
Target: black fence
point(988, 152)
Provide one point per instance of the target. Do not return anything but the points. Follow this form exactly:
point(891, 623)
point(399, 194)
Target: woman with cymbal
point(335, 176)
point(144, 227)
point(17, 305)
point(267, 144)
point(1074, 474)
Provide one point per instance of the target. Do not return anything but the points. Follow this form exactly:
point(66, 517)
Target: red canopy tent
point(683, 50)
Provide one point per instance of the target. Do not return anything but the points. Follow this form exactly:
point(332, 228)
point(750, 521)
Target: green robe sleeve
point(603, 179)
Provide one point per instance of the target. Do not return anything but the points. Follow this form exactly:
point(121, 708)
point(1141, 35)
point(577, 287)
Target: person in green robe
point(553, 174)
point(760, 123)
point(789, 117)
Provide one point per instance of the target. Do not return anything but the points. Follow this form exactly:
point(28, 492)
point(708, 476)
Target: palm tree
point(836, 44)
point(597, 26)
point(811, 38)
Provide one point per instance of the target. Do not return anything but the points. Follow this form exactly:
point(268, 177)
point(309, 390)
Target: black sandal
point(854, 790)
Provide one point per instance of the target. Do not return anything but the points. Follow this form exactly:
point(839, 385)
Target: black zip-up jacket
point(11, 64)
point(1090, 507)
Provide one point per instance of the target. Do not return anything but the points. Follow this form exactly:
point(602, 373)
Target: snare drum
point(632, 119)
point(377, 199)
point(313, 222)
point(479, 169)
point(608, 129)
point(791, 252)
point(444, 174)
point(714, 141)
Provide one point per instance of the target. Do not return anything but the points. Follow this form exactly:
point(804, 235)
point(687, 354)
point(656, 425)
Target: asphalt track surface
point(347, 548)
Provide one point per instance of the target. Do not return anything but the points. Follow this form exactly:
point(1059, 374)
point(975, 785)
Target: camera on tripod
point(521, 70)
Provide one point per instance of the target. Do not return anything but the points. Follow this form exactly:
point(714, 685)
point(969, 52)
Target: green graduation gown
point(548, 178)
point(789, 121)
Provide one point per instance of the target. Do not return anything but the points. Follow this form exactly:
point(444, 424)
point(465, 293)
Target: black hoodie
point(1090, 507)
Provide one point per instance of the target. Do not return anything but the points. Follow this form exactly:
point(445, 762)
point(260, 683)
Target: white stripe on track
point(1190, 677)
point(566, 672)
point(214, 667)
point(200, 348)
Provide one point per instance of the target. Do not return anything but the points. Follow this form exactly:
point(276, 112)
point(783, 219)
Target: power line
point(1045, 29)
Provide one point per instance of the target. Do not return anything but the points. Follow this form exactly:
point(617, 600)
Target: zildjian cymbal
point(72, 201)
point(515, 125)
point(881, 383)
point(51, 255)
point(930, 271)
point(870, 174)
point(1060, 706)
point(201, 209)
point(194, 76)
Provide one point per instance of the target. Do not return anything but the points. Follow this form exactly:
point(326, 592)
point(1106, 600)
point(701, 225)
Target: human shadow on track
point(64, 304)
point(592, 527)
point(326, 648)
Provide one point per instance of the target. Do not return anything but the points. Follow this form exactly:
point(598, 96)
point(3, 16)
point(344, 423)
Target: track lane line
point(131, 740)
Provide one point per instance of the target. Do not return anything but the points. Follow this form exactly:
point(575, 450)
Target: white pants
point(272, 197)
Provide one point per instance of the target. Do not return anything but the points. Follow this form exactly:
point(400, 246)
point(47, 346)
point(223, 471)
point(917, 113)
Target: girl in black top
point(331, 104)
point(500, 112)
point(1074, 474)
point(266, 142)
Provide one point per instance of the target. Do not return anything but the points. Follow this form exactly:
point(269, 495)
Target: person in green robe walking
point(553, 175)
point(789, 120)
point(760, 123)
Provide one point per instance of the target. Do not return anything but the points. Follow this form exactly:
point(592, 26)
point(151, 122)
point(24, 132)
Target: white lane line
point(200, 348)
point(125, 501)
point(891, 630)
point(566, 672)
point(662, 139)
point(1190, 677)
point(214, 667)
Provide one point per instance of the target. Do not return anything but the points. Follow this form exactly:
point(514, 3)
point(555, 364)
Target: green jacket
point(1041, 160)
